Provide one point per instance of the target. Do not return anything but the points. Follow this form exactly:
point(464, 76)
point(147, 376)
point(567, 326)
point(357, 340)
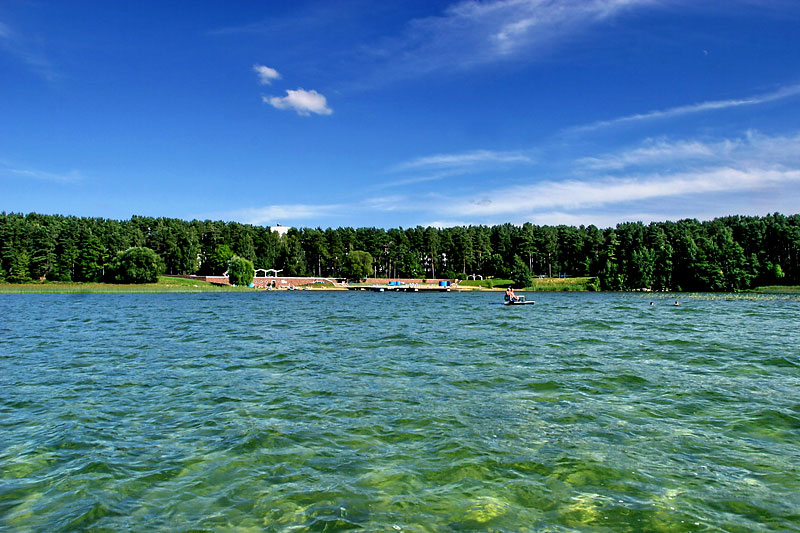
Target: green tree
point(18, 267)
point(90, 263)
point(66, 249)
point(185, 259)
point(316, 249)
point(358, 265)
point(462, 250)
point(520, 274)
point(137, 265)
point(241, 240)
point(217, 262)
point(267, 245)
point(609, 276)
point(547, 245)
point(641, 268)
point(240, 271)
point(482, 246)
point(431, 252)
point(336, 251)
point(293, 256)
point(43, 255)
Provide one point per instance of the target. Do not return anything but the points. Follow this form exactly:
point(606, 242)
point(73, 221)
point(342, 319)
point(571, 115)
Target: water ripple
point(414, 412)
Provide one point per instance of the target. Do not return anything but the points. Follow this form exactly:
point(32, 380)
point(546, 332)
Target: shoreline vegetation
point(727, 254)
point(167, 284)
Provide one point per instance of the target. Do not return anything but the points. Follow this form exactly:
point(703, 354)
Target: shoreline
point(154, 288)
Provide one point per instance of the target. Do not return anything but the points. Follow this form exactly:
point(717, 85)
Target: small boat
point(519, 301)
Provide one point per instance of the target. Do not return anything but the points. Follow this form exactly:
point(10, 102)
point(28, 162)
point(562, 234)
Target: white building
point(281, 230)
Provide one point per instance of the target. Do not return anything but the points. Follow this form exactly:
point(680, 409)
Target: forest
point(725, 254)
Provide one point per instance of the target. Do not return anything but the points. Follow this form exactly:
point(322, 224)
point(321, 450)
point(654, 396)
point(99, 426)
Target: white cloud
point(752, 164)
point(445, 224)
point(266, 75)
point(302, 101)
point(753, 148)
point(780, 94)
point(575, 194)
point(599, 219)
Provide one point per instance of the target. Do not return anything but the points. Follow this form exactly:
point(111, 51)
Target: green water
point(399, 412)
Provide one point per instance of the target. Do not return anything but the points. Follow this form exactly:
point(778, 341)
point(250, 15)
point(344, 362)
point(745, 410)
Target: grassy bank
point(560, 284)
point(539, 284)
point(486, 283)
point(779, 289)
point(164, 284)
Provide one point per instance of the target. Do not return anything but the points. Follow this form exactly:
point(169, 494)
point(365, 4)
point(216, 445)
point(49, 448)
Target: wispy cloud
point(17, 46)
point(302, 101)
point(441, 166)
point(266, 75)
point(425, 178)
point(471, 33)
point(655, 180)
point(685, 168)
point(11, 171)
point(713, 105)
point(656, 152)
point(394, 202)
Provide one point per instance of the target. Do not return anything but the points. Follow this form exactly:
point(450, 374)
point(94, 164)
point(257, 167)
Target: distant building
point(280, 230)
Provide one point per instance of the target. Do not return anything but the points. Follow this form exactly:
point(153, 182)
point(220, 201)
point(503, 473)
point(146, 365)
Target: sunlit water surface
point(399, 412)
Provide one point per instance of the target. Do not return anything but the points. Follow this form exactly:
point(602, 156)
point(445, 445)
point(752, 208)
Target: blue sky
point(356, 113)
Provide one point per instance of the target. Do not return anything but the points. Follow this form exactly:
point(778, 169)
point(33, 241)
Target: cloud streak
point(463, 160)
point(713, 105)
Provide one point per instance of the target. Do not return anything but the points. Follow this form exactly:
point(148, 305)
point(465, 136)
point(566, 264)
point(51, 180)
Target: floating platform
point(400, 288)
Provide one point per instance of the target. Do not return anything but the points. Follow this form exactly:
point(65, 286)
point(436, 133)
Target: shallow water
point(407, 412)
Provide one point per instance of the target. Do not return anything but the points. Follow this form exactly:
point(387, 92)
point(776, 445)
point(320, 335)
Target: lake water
point(329, 411)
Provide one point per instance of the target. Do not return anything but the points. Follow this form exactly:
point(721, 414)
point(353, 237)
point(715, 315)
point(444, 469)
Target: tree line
point(725, 254)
